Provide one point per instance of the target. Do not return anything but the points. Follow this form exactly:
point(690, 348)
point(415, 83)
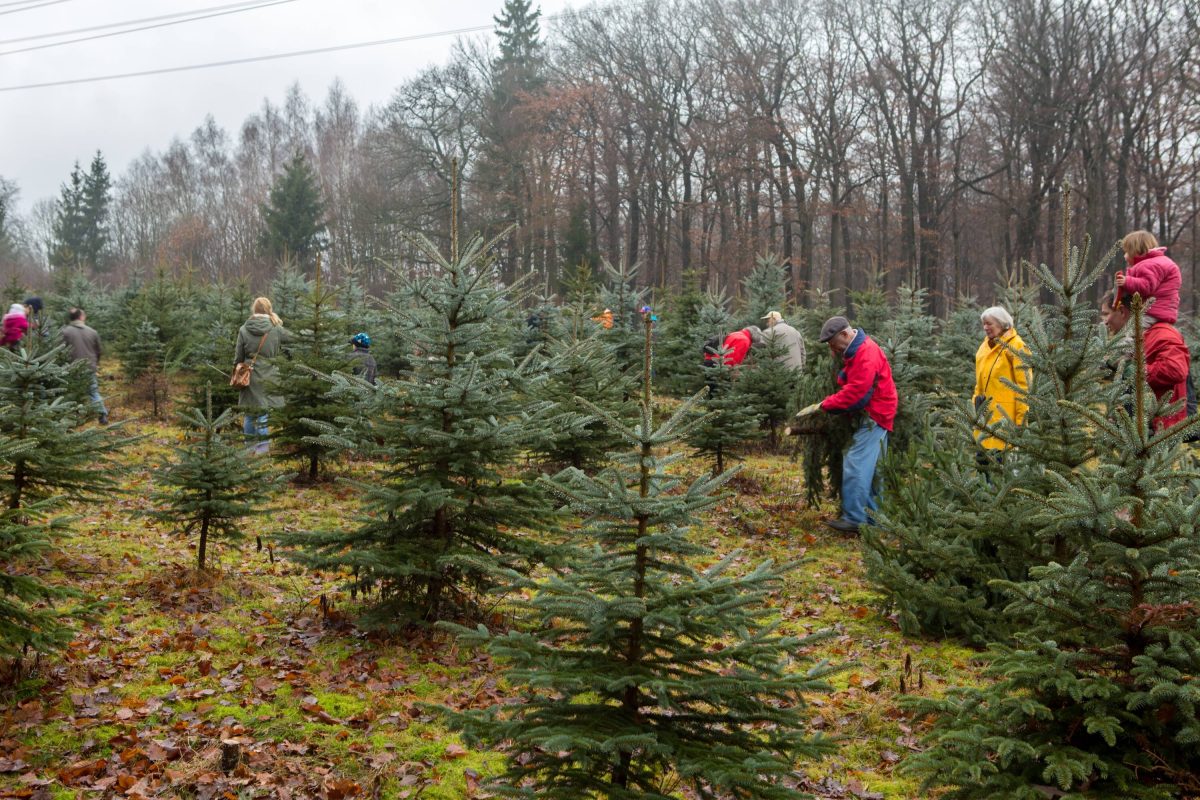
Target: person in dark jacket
point(365, 365)
point(259, 341)
point(867, 390)
point(83, 344)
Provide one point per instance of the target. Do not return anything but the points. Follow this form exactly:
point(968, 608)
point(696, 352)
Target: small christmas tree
point(146, 364)
point(580, 363)
point(1097, 697)
point(642, 667)
point(623, 298)
point(54, 456)
point(765, 289)
point(730, 418)
point(444, 514)
point(213, 482)
point(29, 619)
point(317, 347)
point(769, 385)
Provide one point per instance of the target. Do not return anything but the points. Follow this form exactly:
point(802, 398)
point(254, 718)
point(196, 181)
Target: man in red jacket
point(1167, 360)
point(737, 345)
point(868, 391)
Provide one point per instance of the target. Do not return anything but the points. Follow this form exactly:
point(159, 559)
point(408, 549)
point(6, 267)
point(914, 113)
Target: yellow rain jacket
point(994, 362)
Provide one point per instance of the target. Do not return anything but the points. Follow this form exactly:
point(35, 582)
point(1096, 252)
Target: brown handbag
point(240, 378)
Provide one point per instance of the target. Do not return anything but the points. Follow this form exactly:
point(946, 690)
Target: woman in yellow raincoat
point(1000, 376)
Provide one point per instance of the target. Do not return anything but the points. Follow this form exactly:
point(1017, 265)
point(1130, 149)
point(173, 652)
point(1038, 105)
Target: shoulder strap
point(259, 350)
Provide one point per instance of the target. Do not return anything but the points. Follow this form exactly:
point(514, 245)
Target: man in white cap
point(790, 339)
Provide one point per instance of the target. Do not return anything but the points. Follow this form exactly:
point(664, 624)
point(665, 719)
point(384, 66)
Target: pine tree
point(640, 665)
point(293, 215)
point(29, 619)
point(678, 361)
point(730, 418)
point(949, 528)
point(579, 362)
point(620, 295)
point(146, 364)
point(68, 247)
point(288, 290)
point(213, 484)
point(97, 186)
point(54, 457)
point(444, 514)
point(769, 386)
point(317, 348)
point(765, 288)
point(1096, 697)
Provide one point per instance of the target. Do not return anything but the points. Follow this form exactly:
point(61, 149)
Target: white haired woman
point(1001, 378)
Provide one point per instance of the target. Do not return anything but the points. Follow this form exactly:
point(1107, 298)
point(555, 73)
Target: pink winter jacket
point(1155, 275)
point(15, 326)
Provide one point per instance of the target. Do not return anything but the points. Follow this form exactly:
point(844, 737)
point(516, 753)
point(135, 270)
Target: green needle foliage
point(317, 347)
point(29, 620)
point(643, 671)
point(54, 456)
point(213, 484)
point(729, 416)
point(769, 386)
point(1096, 696)
point(444, 514)
point(949, 527)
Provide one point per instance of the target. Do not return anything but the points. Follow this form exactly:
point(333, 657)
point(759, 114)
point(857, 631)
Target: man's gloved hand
point(808, 410)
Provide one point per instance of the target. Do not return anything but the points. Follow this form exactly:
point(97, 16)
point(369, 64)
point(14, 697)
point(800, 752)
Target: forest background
point(866, 144)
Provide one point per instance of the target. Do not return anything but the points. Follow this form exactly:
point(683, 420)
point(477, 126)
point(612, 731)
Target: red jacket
point(1155, 275)
point(738, 344)
point(1167, 363)
point(866, 381)
point(15, 326)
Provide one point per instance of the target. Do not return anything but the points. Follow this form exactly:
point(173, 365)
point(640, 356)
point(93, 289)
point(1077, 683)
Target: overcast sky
point(44, 131)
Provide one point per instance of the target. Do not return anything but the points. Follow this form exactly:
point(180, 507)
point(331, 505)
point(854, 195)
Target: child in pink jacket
point(15, 324)
point(1151, 274)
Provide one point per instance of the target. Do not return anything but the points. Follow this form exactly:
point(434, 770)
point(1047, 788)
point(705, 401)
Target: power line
point(249, 60)
point(32, 7)
point(109, 25)
point(146, 27)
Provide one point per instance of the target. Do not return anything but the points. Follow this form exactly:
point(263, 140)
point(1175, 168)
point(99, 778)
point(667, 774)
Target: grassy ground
point(262, 657)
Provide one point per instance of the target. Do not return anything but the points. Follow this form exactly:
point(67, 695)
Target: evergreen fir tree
point(769, 386)
point(578, 251)
point(444, 515)
point(1096, 697)
point(620, 295)
point(765, 289)
point(146, 364)
point(97, 186)
point(293, 216)
point(288, 290)
point(580, 363)
point(730, 417)
point(53, 456)
point(29, 619)
point(317, 348)
point(68, 247)
point(679, 349)
point(949, 528)
point(639, 665)
point(213, 484)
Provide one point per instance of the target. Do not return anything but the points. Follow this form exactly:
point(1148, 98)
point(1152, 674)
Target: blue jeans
point(97, 400)
point(859, 494)
point(255, 428)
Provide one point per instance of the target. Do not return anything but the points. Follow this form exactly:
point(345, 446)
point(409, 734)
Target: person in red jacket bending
point(737, 345)
point(1167, 360)
point(867, 391)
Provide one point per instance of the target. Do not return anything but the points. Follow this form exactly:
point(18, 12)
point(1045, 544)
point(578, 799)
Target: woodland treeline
point(864, 143)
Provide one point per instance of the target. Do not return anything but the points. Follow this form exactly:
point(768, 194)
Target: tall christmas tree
point(444, 514)
point(641, 666)
point(948, 528)
point(765, 290)
point(1097, 695)
point(770, 386)
point(212, 484)
point(621, 295)
point(316, 348)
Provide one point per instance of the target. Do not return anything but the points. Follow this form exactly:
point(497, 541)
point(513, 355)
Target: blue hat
point(361, 340)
